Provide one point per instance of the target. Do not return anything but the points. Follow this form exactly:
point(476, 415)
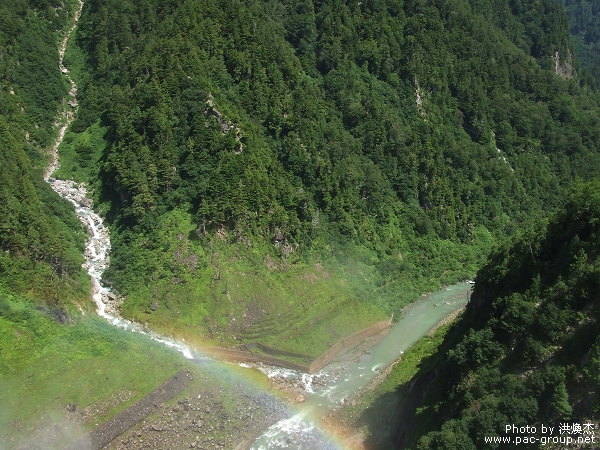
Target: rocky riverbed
point(205, 417)
point(210, 416)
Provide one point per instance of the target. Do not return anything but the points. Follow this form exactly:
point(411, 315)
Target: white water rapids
point(325, 390)
point(331, 387)
point(98, 246)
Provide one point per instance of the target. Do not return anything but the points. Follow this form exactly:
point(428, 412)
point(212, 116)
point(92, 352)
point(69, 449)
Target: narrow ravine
point(97, 253)
point(69, 107)
point(323, 391)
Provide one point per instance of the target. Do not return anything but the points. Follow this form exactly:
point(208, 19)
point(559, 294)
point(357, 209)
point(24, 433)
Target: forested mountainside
point(50, 354)
point(291, 171)
point(526, 351)
point(41, 240)
point(324, 97)
point(389, 142)
point(584, 16)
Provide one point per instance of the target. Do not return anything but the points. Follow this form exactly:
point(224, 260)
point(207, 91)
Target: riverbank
point(361, 419)
point(219, 409)
point(385, 373)
point(369, 412)
point(336, 385)
point(296, 389)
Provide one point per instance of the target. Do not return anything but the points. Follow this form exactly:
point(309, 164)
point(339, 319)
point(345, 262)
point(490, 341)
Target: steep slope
point(584, 16)
point(383, 140)
point(525, 352)
point(40, 238)
point(52, 354)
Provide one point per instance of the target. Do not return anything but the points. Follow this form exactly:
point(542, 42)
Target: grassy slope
point(86, 361)
point(240, 291)
point(226, 291)
point(80, 152)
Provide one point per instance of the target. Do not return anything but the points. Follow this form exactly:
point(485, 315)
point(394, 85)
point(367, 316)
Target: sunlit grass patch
point(47, 365)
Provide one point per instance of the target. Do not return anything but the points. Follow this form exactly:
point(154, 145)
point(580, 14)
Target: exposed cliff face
point(419, 98)
point(226, 125)
point(563, 68)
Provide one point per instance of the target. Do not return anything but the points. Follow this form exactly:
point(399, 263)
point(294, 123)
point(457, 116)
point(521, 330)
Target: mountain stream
point(98, 245)
point(336, 382)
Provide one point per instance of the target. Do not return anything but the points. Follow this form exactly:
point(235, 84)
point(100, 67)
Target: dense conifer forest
point(40, 238)
point(292, 171)
point(525, 352)
point(408, 136)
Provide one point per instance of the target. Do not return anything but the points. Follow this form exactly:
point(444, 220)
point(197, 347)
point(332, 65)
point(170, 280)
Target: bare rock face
point(108, 297)
point(279, 238)
point(226, 125)
point(70, 190)
point(419, 95)
point(563, 69)
point(113, 306)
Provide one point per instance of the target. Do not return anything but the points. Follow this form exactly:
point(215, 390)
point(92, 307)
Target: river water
point(339, 381)
point(97, 252)
point(336, 381)
point(97, 258)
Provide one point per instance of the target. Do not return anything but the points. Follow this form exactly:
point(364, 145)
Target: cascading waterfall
point(336, 383)
point(98, 245)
